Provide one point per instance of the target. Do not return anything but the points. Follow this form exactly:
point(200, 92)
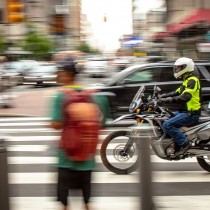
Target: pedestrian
point(188, 100)
point(71, 174)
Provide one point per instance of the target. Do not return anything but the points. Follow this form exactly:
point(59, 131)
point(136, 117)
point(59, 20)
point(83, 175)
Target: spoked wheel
point(204, 162)
point(114, 156)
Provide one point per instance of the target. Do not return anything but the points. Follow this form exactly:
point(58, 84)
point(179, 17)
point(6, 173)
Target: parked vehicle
point(96, 66)
point(16, 70)
point(122, 62)
point(5, 91)
point(119, 152)
point(125, 84)
point(43, 73)
point(147, 59)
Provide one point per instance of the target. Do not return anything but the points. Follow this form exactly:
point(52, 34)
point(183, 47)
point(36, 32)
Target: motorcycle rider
point(188, 99)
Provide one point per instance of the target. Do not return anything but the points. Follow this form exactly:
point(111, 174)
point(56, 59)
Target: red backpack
point(80, 133)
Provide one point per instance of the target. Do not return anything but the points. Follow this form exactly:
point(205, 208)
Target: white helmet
point(183, 65)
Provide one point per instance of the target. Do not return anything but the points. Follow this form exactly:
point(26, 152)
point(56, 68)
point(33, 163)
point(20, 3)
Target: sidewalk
point(34, 103)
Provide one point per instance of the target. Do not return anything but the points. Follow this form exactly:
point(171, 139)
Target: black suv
point(125, 84)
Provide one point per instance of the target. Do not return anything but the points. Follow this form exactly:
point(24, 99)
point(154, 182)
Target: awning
point(198, 16)
point(160, 35)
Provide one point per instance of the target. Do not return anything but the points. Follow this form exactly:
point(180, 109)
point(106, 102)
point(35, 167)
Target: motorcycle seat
point(191, 125)
point(203, 119)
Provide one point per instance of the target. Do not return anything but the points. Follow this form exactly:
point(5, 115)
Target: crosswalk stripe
point(108, 177)
point(27, 148)
point(106, 203)
point(41, 129)
point(34, 148)
point(24, 130)
point(53, 160)
point(32, 160)
point(39, 138)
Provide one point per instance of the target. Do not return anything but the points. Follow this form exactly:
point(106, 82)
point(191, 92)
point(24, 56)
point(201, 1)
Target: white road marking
point(109, 177)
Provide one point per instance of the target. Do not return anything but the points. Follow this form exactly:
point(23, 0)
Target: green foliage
point(39, 45)
point(2, 45)
point(84, 47)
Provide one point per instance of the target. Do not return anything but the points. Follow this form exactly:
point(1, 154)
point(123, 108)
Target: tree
point(2, 45)
point(39, 45)
point(84, 47)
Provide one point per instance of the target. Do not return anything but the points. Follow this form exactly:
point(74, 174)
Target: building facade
point(56, 19)
point(188, 24)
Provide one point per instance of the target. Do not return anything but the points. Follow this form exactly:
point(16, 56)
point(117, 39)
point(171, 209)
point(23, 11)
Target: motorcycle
point(119, 151)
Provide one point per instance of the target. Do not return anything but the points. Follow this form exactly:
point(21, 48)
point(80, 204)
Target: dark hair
point(67, 65)
point(71, 68)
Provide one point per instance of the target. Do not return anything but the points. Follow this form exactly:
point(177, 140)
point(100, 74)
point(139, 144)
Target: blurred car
point(96, 66)
point(125, 84)
point(147, 59)
point(80, 64)
point(16, 70)
point(43, 73)
point(5, 90)
point(120, 63)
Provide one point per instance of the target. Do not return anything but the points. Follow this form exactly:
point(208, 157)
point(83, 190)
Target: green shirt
point(57, 115)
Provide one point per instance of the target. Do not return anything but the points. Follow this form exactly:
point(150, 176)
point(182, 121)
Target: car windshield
point(120, 75)
point(44, 69)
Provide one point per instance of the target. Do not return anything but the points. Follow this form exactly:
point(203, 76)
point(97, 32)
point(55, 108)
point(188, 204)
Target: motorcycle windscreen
point(137, 99)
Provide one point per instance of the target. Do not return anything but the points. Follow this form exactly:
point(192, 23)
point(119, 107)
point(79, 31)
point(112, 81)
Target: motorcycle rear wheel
point(113, 157)
point(204, 162)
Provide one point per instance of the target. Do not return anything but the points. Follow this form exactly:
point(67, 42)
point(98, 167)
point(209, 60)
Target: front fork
point(127, 149)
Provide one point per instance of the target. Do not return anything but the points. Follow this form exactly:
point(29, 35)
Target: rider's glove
point(165, 100)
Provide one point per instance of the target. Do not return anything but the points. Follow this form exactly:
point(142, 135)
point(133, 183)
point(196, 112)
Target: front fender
point(127, 116)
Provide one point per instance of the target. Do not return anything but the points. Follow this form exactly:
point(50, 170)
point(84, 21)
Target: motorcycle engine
point(170, 150)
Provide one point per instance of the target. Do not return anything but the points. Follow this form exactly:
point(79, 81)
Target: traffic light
point(105, 18)
point(15, 11)
point(58, 24)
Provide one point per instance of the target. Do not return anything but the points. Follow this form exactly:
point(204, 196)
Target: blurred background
point(36, 29)
point(105, 37)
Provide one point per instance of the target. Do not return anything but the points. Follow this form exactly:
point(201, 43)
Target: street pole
point(4, 186)
point(143, 139)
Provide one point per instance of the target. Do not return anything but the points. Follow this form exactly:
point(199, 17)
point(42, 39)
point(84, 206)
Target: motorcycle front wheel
point(114, 156)
point(204, 162)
